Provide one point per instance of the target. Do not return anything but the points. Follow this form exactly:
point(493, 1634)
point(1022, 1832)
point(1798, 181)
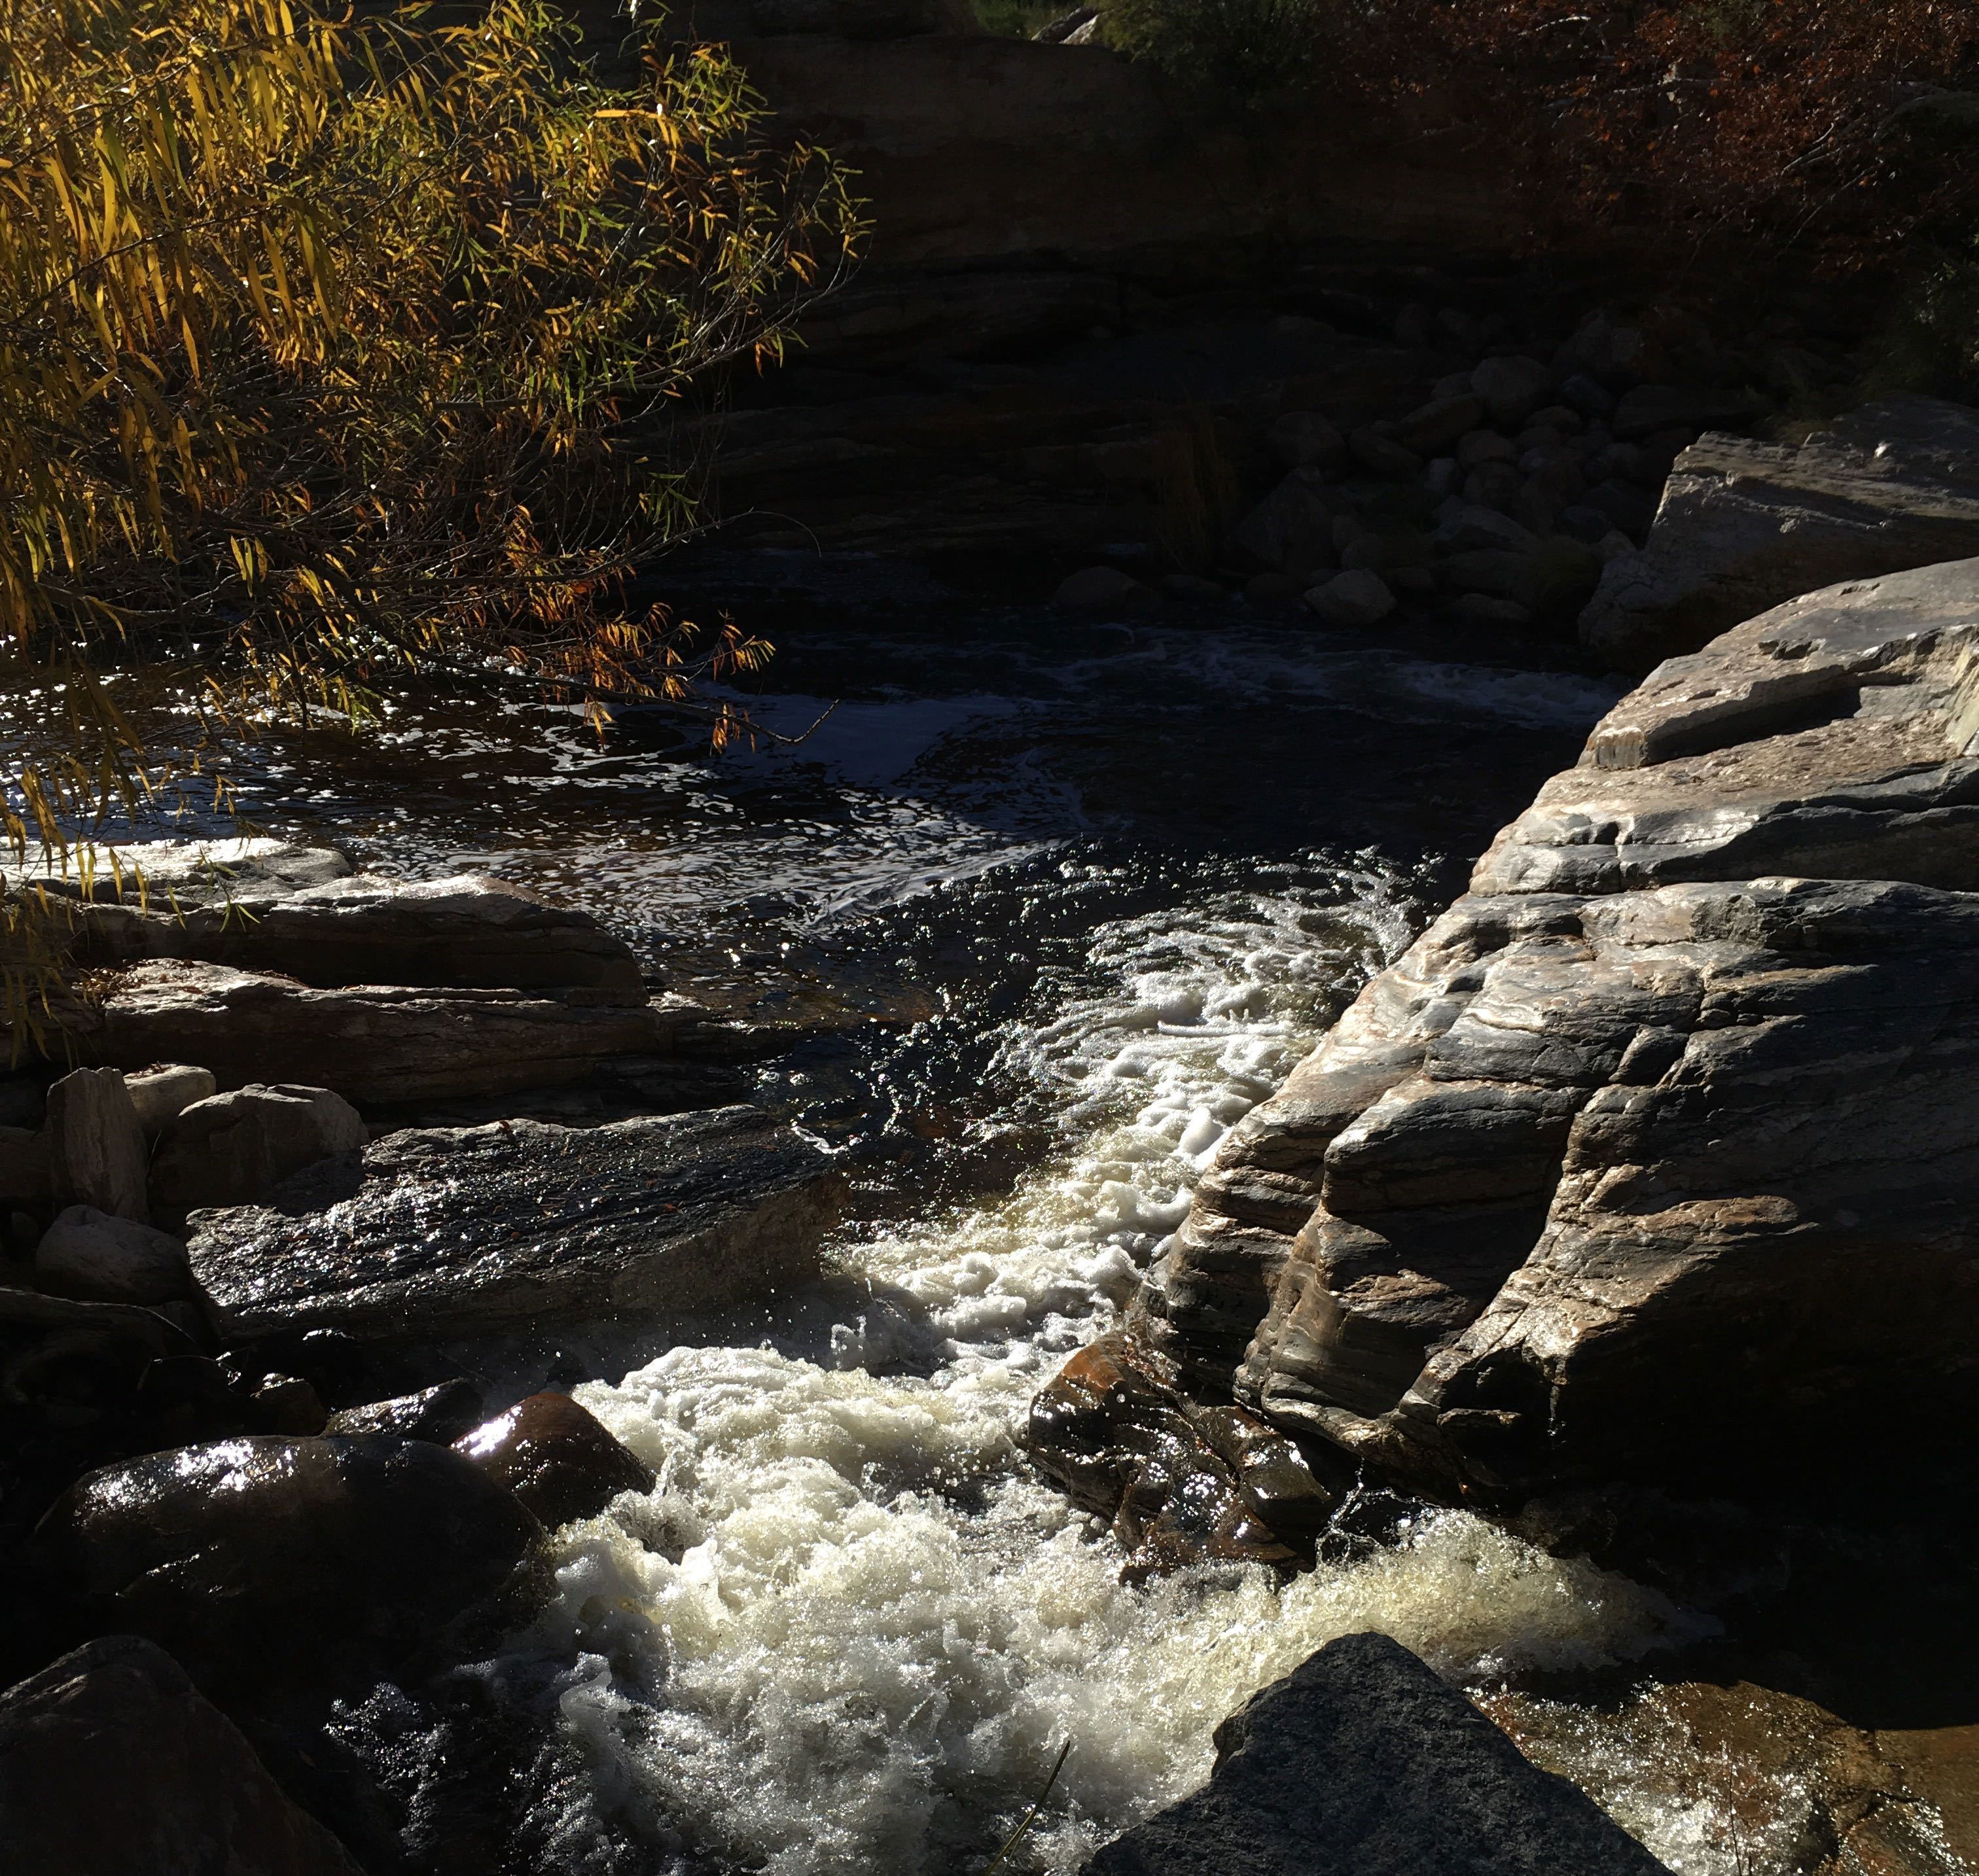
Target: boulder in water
point(268, 1558)
point(1365, 1760)
point(112, 1762)
point(558, 1458)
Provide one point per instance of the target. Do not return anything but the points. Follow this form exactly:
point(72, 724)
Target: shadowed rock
point(112, 1761)
point(465, 1230)
point(1364, 1762)
point(1745, 524)
point(267, 1557)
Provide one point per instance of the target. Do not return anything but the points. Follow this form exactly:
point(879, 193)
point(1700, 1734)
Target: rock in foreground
point(265, 1557)
point(112, 1761)
point(468, 1231)
point(1364, 1762)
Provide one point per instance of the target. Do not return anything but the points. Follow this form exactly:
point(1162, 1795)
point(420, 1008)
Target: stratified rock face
point(1745, 525)
point(468, 932)
point(111, 1760)
point(1364, 1760)
point(373, 1043)
point(1655, 1155)
point(266, 1555)
point(464, 1230)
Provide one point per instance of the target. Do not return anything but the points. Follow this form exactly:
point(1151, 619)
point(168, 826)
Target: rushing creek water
point(1050, 906)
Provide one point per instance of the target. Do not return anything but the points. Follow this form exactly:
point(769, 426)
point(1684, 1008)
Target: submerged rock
point(235, 1149)
point(112, 1761)
point(267, 1557)
point(558, 1459)
point(1745, 524)
point(1653, 1156)
point(466, 1230)
point(1364, 1760)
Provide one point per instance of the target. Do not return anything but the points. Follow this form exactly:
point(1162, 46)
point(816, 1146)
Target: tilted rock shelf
point(1744, 525)
point(1655, 1156)
point(465, 1230)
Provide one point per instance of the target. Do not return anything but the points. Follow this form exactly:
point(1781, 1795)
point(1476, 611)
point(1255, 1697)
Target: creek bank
point(1586, 1186)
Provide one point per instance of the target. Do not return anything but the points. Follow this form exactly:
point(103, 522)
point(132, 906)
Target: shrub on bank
point(332, 349)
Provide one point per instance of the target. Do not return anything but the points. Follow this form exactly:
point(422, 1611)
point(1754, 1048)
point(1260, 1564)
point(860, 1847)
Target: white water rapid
point(850, 1631)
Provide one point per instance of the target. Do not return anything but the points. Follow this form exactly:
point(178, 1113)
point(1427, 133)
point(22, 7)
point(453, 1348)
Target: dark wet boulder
point(272, 1558)
point(465, 1230)
point(1364, 1762)
point(112, 1761)
point(1178, 1483)
point(558, 1459)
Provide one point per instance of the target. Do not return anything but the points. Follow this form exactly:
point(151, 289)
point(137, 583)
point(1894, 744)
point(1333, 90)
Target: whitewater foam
point(850, 1629)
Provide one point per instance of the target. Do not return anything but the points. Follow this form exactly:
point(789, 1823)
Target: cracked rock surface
point(1654, 1157)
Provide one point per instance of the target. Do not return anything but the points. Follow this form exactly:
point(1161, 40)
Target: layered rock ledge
point(1654, 1157)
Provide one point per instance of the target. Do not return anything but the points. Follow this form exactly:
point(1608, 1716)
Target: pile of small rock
point(1498, 501)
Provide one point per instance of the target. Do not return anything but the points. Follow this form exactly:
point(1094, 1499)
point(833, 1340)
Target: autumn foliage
point(332, 350)
point(1836, 125)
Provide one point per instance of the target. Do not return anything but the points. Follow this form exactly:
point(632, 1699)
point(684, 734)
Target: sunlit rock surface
point(462, 1231)
point(1745, 524)
point(1637, 1164)
point(1364, 1759)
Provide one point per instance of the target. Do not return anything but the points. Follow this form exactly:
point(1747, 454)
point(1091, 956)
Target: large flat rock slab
point(463, 1231)
point(372, 1043)
point(1745, 524)
point(1364, 1762)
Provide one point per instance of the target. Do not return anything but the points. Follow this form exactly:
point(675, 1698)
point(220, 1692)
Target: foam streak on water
point(848, 1630)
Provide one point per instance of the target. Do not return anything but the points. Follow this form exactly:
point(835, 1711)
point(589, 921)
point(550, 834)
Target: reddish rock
point(558, 1459)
